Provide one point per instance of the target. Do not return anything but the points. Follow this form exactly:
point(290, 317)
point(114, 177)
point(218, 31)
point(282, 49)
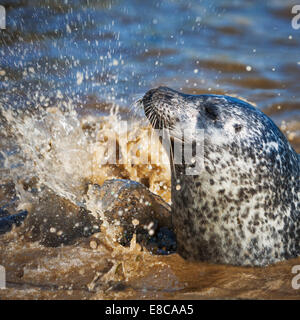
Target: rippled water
point(66, 65)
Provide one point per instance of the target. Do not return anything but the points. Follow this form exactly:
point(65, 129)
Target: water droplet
point(135, 222)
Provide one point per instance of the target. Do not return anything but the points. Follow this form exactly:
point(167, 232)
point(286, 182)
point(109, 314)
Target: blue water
point(115, 50)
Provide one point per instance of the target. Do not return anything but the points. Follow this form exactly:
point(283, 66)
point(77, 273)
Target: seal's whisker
point(136, 108)
point(172, 164)
point(159, 121)
point(150, 116)
point(155, 121)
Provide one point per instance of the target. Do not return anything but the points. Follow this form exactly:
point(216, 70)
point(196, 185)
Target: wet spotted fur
point(243, 208)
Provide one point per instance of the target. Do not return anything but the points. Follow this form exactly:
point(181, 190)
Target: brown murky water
point(64, 78)
point(78, 272)
point(99, 268)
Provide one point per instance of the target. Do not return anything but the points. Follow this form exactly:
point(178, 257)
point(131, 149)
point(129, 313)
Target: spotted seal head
point(243, 207)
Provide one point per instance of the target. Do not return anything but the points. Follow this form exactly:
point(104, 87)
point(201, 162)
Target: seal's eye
point(237, 127)
point(211, 112)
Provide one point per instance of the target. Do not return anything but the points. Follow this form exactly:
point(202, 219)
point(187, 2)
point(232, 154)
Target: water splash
point(51, 147)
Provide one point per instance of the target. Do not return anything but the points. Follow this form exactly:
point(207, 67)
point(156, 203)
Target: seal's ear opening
point(237, 127)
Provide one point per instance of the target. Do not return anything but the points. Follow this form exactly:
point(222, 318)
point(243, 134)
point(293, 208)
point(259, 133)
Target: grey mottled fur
point(243, 208)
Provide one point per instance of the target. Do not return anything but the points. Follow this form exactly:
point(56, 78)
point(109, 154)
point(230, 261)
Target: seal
point(243, 207)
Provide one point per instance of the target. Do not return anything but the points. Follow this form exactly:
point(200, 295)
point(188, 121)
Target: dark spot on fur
point(237, 127)
point(211, 111)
